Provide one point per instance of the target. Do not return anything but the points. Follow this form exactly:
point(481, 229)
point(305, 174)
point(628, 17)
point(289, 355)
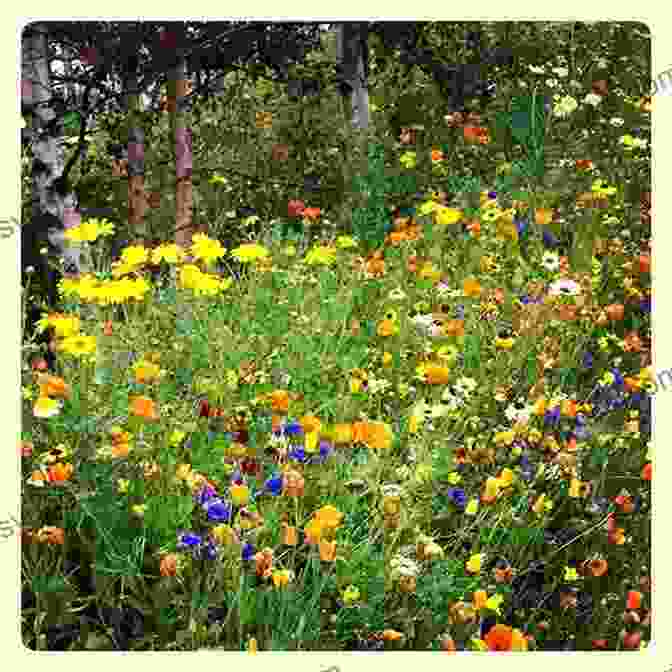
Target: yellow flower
point(447, 216)
point(474, 563)
point(345, 242)
point(240, 494)
point(134, 255)
point(281, 577)
point(506, 478)
point(170, 253)
point(351, 594)
point(571, 574)
point(46, 408)
point(454, 478)
point(505, 438)
point(427, 208)
point(408, 159)
point(478, 644)
point(122, 484)
point(206, 249)
point(494, 602)
point(250, 252)
point(78, 345)
point(223, 534)
point(176, 437)
point(471, 508)
point(323, 254)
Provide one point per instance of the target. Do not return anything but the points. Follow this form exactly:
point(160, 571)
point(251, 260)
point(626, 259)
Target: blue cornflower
point(297, 453)
point(618, 378)
point(188, 540)
point(587, 360)
point(274, 485)
point(218, 510)
point(549, 239)
point(248, 552)
point(208, 550)
point(458, 497)
point(645, 304)
point(205, 494)
point(552, 417)
point(293, 428)
point(521, 224)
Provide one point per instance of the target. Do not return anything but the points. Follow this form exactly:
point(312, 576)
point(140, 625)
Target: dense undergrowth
point(421, 427)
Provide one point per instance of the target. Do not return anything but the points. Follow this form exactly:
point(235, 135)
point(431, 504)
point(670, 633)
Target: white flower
point(564, 106)
point(640, 143)
point(550, 261)
point(602, 63)
point(616, 121)
point(592, 99)
point(423, 322)
point(564, 287)
point(537, 70)
point(561, 72)
point(552, 83)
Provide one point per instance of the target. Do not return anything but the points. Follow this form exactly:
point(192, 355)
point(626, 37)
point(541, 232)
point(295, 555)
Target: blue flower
point(274, 485)
point(297, 453)
point(205, 494)
point(458, 497)
point(521, 224)
point(552, 417)
point(549, 239)
point(645, 304)
point(587, 360)
point(248, 552)
point(618, 378)
point(208, 550)
point(293, 428)
point(218, 510)
point(188, 540)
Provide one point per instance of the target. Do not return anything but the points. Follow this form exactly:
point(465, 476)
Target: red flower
point(646, 471)
point(295, 208)
point(600, 643)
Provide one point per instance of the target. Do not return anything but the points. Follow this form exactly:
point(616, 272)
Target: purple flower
point(549, 239)
point(521, 224)
point(248, 552)
point(645, 304)
point(492, 194)
point(297, 453)
point(587, 361)
point(218, 510)
point(552, 416)
point(208, 550)
point(458, 497)
point(188, 540)
point(274, 485)
point(205, 494)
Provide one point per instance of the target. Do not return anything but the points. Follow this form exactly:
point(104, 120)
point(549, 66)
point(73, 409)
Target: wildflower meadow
point(394, 395)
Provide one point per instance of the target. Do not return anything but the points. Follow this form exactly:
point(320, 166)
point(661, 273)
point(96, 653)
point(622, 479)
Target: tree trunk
point(137, 202)
point(178, 108)
point(352, 57)
point(53, 205)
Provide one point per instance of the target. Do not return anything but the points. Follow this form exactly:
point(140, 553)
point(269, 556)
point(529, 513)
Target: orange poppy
point(472, 287)
point(476, 134)
point(647, 471)
point(327, 551)
point(51, 535)
point(144, 408)
point(312, 213)
point(499, 638)
point(437, 155)
point(168, 565)
point(474, 227)
point(59, 472)
point(52, 386)
point(391, 635)
point(584, 164)
point(289, 536)
point(634, 600)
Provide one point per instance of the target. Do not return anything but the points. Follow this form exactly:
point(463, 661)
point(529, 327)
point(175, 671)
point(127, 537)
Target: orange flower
point(264, 562)
point(448, 645)
point(289, 536)
point(293, 483)
point(437, 375)
point(584, 164)
point(543, 216)
point(479, 599)
point(644, 263)
point(107, 328)
point(391, 635)
point(313, 531)
point(54, 536)
point(634, 600)
point(454, 328)
point(168, 565)
point(52, 386)
point(327, 551)
point(474, 227)
point(120, 450)
point(342, 434)
point(144, 408)
point(646, 471)
point(597, 566)
point(476, 134)
point(437, 155)
point(499, 638)
point(59, 472)
point(312, 213)
point(615, 312)
point(471, 287)
point(329, 516)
